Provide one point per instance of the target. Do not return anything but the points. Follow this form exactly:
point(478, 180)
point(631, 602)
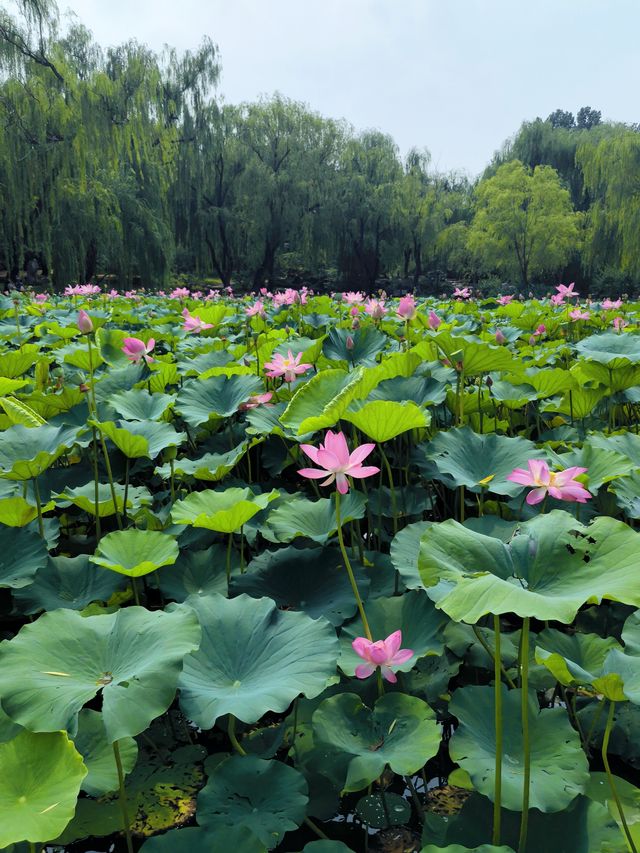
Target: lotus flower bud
point(349, 342)
point(85, 323)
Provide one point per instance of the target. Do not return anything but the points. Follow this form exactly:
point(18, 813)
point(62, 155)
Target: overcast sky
point(456, 76)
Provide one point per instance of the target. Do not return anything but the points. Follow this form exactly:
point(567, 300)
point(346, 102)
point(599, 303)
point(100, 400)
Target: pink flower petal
point(364, 670)
point(361, 453)
point(312, 473)
point(389, 675)
point(535, 496)
point(363, 471)
point(393, 642)
point(402, 656)
point(361, 647)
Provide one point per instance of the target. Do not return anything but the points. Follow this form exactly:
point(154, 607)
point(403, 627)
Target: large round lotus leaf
point(405, 549)
point(313, 580)
point(67, 582)
point(39, 786)
point(136, 552)
point(469, 458)
point(583, 827)
point(548, 570)
point(611, 349)
point(602, 465)
point(400, 731)
point(199, 399)
point(382, 420)
point(554, 744)
point(138, 439)
point(360, 346)
point(578, 660)
point(133, 656)
point(321, 402)
point(268, 797)
point(314, 520)
point(414, 613)
point(476, 356)
point(138, 405)
point(626, 443)
point(599, 790)
point(22, 554)
point(84, 497)
point(26, 452)
point(195, 573)
point(224, 511)
point(627, 492)
point(17, 512)
point(420, 389)
point(193, 838)
point(97, 753)
point(253, 658)
point(211, 467)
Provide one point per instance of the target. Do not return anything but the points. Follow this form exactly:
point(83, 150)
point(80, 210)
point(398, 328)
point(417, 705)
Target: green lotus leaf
point(239, 838)
point(138, 405)
point(476, 356)
point(400, 731)
point(16, 363)
point(581, 403)
point(220, 396)
point(97, 753)
point(420, 389)
point(133, 657)
point(554, 744)
point(599, 790)
point(583, 827)
point(551, 567)
point(414, 613)
point(267, 797)
point(627, 492)
point(382, 420)
point(8, 386)
point(626, 443)
point(84, 498)
point(39, 786)
point(224, 511)
point(17, 512)
point(314, 519)
point(613, 379)
point(326, 847)
point(22, 553)
point(357, 346)
point(195, 573)
point(320, 402)
point(109, 343)
point(405, 550)
point(136, 438)
point(610, 349)
point(265, 420)
point(136, 552)
point(120, 379)
point(578, 660)
point(549, 381)
point(201, 363)
point(27, 452)
point(253, 658)
point(211, 467)
point(469, 458)
point(312, 580)
point(67, 582)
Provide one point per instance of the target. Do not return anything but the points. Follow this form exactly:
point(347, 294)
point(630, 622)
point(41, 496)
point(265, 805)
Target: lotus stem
point(347, 565)
point(488, 650)
point(228, 560)
point(126, 489)
point(123, 797)
point(526, 745)
point(497, 673)
point(605, 761)
point(394, 506)
point(96, 491)
point(312, 826)
point(36, 489)
point(112, 487)
point(231, 731)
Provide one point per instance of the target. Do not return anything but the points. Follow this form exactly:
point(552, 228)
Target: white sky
point(456, 76)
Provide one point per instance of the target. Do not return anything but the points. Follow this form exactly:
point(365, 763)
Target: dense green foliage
point(121, 162)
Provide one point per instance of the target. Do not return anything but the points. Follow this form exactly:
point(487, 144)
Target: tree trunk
point(417, 254)
point(407, 258)
point(90, 260)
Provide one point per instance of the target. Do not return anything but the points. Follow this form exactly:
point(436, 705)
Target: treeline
point(122, 162)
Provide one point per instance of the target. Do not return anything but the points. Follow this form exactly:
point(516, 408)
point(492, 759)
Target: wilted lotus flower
point(560, 485)
point(407, 308)
point(85, 323)
point(336, 463)
point(135, 349)
point(383, 653)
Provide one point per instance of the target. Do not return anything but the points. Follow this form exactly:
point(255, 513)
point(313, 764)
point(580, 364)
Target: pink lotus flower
point(577, 314)
point(557, 299)
point(500, 338)
point(349, 343)
point(135, 349)
point(255, 310)
point(383, 653)
point(434, 320)
point(353, 298)
point(504, 300)
point(462, 293)
point(113, 294)
point(194, 324)
point(288, 367)
point(619, 323)
point(566, 292)
point(375, 308)
point(560, 484)
point(254, 401)
point(180, 293)
point(85, 323)
point(407, 308)
point(611, 303)
point(336, 463)
point(41, 297)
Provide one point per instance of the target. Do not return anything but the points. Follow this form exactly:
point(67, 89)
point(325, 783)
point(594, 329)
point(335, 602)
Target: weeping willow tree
point(88, 143)
point(612, 178)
